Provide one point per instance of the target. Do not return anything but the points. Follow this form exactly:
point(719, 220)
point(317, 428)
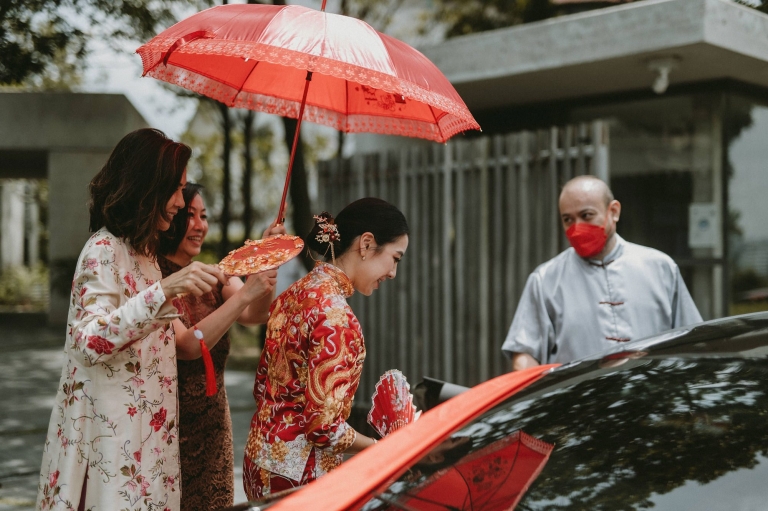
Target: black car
point(677, 421)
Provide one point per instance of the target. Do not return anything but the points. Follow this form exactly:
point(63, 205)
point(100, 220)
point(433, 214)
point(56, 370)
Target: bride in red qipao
point(313, 356)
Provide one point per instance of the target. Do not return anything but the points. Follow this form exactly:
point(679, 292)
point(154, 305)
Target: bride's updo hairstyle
point(377, 216)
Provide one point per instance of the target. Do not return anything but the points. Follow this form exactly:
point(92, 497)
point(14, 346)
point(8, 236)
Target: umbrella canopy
point(491, 479)
point(257, 57)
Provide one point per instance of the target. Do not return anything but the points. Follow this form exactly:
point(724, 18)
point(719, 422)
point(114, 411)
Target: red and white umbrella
point(264, 57)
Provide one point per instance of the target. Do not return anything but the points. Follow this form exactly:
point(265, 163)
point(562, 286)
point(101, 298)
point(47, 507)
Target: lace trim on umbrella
point(154, 51)
point(447, 125)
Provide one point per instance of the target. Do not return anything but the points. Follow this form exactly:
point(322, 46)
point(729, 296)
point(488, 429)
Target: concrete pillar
point(706, 167)
point(68, 176)
point(33, 224)
point(12, 224)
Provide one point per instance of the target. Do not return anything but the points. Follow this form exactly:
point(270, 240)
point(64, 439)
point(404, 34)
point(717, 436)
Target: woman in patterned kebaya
point(205, 429)
point(313, 356)
point(113, 437)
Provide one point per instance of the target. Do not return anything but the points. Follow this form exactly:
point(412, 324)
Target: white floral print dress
point(115, 415)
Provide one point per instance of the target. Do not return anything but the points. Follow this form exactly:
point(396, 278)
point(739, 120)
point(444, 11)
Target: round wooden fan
point(260, 255)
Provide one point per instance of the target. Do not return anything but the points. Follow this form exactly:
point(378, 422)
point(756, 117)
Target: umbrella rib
point(509, 474)
point(325, 32)
point(240, 89)
point(346, 110)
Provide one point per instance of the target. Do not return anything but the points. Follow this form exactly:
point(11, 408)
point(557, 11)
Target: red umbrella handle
point(281, 212)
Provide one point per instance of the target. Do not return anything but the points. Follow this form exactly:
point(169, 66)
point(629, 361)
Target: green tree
point(461, 17)
point(41, 42)
point(760, 5)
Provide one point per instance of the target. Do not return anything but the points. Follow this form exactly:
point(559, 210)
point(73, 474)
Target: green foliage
point(461, 17)
point(760, 5)
point(204, 136)
point(41, 44)
point(747, 280)
point(377, 13)
point(24, 289)
point(33, 38)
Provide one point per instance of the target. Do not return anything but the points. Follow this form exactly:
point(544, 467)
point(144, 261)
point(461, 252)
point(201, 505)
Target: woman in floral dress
point(313, 356)
point(205, 426)
point(112, 441)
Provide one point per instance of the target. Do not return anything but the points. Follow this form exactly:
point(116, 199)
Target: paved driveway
point(31, 359)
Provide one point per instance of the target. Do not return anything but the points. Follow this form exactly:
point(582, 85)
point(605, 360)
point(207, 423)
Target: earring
point(363, 258)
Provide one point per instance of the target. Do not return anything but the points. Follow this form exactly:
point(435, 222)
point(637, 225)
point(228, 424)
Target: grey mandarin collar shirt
point(573, 307)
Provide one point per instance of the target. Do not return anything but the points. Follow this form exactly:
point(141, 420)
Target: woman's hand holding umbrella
point(274, 230)
point(264, 57)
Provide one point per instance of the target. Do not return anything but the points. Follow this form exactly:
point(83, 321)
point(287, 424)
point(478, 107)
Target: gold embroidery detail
point(279, 368)
point(277, 322)
point(347, 439)
point(333, 405)
point(279, 450)
point(327, 461)
point(315, 352)
point(339, 277)
point(264, 476)
point(265, 413)
point(303, 373)
point(336, 316)
point(254, 444)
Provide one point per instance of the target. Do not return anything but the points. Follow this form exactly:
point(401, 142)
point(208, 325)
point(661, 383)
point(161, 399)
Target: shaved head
point(587, 199)
point(590, 186)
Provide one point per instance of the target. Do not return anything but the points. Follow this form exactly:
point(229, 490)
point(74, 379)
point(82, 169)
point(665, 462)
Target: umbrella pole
point(281, 213)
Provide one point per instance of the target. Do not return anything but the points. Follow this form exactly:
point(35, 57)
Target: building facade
point(665, 99)
point(57, 142)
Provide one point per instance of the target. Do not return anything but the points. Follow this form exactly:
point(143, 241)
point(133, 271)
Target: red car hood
point(351, 485)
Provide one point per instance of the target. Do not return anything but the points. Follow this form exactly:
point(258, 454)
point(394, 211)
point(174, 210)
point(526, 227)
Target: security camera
point(662, 66)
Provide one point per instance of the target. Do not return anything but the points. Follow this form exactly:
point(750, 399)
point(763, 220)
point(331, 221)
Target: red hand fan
point(392, 406)
point(261, 255)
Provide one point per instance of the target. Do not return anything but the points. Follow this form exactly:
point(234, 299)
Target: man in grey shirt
point(600, 292)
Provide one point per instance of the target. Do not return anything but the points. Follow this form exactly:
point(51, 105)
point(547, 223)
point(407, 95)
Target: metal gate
point(483, 214)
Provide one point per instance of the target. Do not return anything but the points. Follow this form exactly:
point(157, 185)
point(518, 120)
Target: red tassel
point(210, 374)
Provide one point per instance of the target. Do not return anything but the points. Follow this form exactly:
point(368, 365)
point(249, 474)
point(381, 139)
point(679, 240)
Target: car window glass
point(670, 434)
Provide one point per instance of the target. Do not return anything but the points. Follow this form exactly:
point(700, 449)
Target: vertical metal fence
point(483, 214)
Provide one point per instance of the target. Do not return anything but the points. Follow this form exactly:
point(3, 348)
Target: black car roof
point(718, 336)
point(740, 336)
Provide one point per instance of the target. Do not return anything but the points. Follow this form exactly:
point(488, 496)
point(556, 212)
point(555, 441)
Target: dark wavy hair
point(377, 216)
point(130, 193)
point(171, 239)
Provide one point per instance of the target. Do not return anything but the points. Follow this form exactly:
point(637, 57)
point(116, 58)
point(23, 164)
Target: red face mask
point(587, 239)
